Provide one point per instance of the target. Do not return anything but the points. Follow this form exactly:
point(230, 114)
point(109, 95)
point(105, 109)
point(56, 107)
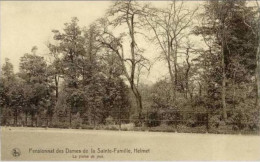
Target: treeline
point(94, 73)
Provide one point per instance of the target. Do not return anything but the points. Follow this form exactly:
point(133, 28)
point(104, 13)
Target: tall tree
point(55, 68)
point(71, 46)
point(8, 81)
point(37, 89)
point(230, 43)
point(258, 58)
point(125, 13)
point(169, 26)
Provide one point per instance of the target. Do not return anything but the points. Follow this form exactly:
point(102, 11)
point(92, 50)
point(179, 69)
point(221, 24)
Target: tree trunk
point(138, 99)
point(132, 46)
point(187, 75)
point(258, 64)
point(15, 117)
point(175, 74)
point(200, 89)
point(120, 117)
point(94, 118)
point(89, 116)
point(175, 64)
point(234, 95)
point(50, 123)
point(47, 122)
point(172, 79)
point(258, 73)
point(36, 121)
point(70, 117)
point(257, 70)
point(56, 87)
point(223, 93)
point(32, 116)
point(26, 116)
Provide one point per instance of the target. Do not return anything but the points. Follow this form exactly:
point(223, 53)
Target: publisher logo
point(16, 152)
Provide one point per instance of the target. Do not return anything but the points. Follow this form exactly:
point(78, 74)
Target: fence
point(162, 121)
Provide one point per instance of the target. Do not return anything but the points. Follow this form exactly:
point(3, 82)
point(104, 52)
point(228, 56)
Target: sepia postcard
point(130, 80)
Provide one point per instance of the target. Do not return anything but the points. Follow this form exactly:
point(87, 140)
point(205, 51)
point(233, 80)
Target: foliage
point(94, 78)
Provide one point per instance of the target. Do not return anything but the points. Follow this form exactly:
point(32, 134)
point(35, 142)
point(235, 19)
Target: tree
point(169, 26)
point(258, 60)
point(127, 13)
point(37, 90)
point(55, 69)
point(17, 100)
point(116, 99)
point(8, 70)
point(161, 96)
point(230, 44)
point(71, 46)
point(8, 80)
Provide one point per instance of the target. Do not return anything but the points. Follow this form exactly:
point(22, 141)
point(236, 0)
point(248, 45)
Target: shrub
point(191, 122)
point(60, 125)
point(110, 127)
point(76, 122)
point(163, 128)
point(137, 120)
point(139, 129)
point(128, 126)
point(215, 122)
point(186, 129)
point(153, 120)
point(113, 127)
point(110, 120)
point(85, 126)
point(124, 129)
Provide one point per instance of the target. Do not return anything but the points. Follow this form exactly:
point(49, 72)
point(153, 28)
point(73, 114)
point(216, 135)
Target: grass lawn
point(76, 144)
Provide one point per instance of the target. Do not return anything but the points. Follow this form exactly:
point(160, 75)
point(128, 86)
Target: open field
point(124, 145)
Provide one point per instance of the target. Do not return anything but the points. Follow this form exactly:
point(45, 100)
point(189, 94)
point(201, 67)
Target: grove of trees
point(93, 74)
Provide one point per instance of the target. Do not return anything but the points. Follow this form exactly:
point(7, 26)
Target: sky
point(25, 24)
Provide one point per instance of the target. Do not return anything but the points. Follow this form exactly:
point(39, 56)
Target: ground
point(34, 144)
